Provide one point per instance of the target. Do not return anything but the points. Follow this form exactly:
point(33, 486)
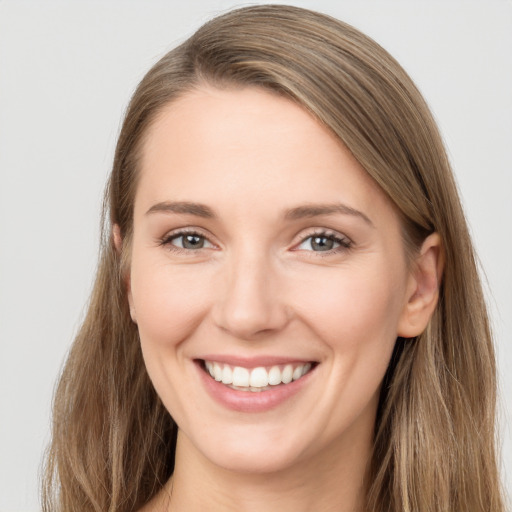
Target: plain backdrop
point(67, 70)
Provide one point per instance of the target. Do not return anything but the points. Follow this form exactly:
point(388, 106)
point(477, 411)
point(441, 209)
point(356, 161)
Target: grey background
point(67, 70)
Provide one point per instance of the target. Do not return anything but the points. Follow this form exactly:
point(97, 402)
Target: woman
point(287, 311)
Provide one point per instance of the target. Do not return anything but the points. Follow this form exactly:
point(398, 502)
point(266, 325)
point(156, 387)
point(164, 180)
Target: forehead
point(234, 145)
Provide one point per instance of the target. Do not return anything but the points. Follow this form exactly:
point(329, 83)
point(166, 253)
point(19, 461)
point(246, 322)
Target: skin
point(258, 287)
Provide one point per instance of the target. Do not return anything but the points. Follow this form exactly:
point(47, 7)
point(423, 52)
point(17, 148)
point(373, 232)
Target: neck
point(331, 480)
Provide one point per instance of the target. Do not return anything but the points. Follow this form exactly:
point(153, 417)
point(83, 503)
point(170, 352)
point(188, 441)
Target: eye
point(189, 241)
point(324, 242)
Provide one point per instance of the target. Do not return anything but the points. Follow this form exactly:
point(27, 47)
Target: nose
point(250, 302)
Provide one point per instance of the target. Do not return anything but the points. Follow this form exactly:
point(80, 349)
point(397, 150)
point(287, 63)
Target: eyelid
point(191, 230)
point(344, 241)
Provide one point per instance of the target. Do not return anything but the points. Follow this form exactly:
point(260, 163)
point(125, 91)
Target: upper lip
point(254, 361)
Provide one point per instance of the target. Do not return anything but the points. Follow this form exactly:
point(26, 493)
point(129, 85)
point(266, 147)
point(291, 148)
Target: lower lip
point(249, 401)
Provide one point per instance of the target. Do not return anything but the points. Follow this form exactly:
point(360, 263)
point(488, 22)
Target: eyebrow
point(317, 210)
point(300, 212)
point(197, 209)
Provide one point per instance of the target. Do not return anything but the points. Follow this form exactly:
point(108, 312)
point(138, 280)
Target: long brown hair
point(113, 441)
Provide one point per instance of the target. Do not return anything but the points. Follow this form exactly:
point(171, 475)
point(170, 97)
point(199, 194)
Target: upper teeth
point(259, 377)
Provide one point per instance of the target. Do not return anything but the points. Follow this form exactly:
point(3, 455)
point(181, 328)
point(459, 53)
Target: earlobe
point(118, 244)
point(423, 288)
point(132, 308)
point(117, 238)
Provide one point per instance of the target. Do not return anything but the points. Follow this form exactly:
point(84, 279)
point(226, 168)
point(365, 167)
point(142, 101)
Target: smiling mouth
point(256, 379)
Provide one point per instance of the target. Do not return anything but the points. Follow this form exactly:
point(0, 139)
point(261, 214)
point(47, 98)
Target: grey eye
point(191, 241)
point(322, 243)
point(319, 243)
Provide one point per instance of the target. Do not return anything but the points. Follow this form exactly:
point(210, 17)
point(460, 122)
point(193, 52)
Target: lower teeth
point(253, 389)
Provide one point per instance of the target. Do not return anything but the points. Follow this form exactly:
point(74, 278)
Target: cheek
point(353, 306)
point(355, 315)
point(169, 302)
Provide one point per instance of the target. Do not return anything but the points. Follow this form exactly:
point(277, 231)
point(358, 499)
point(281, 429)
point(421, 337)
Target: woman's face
point(264, 254)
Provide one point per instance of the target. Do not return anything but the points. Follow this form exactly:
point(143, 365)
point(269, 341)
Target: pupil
point(322, 243)
point(193, 242)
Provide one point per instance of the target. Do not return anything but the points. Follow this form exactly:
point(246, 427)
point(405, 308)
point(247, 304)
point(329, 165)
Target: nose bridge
point(251, 301)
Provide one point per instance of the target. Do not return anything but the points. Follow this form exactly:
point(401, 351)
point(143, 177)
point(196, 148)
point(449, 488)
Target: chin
point(250, 452)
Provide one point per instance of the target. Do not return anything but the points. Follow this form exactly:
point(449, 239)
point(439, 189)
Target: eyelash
point(343, 242)
point(167, 240)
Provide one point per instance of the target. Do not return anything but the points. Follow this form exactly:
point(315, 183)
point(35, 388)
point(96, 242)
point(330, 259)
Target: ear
point(422, 288)
point(117, 238)
point(118, 244)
